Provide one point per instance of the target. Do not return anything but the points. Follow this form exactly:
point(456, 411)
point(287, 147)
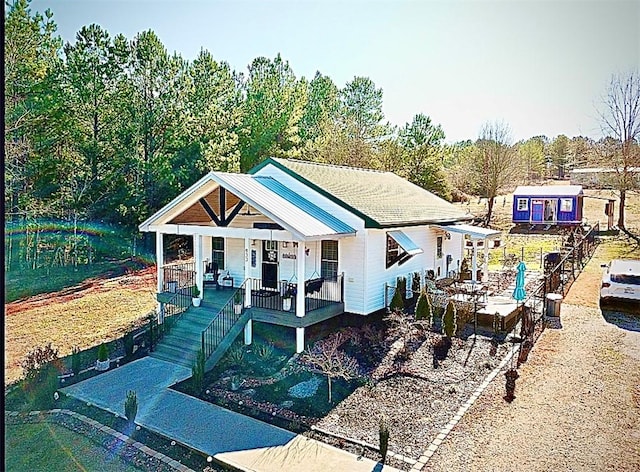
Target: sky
point(541, 67)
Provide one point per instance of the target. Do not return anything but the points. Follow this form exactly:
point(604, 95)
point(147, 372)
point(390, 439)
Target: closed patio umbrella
point(519, 293)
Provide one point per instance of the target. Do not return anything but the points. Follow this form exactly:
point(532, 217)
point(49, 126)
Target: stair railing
point(222, 323)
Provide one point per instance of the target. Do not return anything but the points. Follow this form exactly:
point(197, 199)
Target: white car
point(621, 281)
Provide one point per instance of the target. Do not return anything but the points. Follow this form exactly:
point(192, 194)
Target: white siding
point(352, 261)
point(234, 259)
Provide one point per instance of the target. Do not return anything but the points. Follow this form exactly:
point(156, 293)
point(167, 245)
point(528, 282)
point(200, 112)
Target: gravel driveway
point(577, 405)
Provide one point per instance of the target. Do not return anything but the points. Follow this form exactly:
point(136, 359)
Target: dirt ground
point(97, 310)
point(577, 405)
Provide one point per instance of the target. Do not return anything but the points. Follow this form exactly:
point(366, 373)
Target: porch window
point(523, 204)
point(329, 260)
point(566, 204)
point(439, 247)
point(217, 252)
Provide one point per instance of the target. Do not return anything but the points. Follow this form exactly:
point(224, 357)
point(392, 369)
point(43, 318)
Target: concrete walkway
point(234, 439)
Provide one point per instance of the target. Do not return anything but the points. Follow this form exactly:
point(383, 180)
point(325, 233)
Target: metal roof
point(382, 199)
point(292, 211)
point(474, 232)
point(548, 190)
point(405, 242)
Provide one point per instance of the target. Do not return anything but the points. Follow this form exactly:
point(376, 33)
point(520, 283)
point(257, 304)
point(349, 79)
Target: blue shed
point(548, 204)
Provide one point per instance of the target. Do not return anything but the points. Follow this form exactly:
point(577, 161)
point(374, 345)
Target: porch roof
point(474, 232)
point(303, 219)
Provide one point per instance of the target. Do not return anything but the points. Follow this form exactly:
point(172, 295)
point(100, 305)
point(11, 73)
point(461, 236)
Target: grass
point(47, 446)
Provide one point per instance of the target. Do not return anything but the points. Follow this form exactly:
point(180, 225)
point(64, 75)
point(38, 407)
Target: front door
point(270, 264)
point(537, 211)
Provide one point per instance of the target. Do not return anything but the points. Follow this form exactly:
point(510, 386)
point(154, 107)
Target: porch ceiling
point(198, 215)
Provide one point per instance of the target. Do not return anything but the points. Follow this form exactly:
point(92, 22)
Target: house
point(548, 204)
point(602, 177)
point(331, 236)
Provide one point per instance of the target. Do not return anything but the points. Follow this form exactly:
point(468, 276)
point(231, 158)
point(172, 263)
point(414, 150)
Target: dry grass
point(101, 312)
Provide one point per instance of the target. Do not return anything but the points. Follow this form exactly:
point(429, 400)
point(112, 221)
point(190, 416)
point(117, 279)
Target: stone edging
point(433, 447)
point(110, 431)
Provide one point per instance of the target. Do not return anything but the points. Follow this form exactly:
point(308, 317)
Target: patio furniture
point(211, 274)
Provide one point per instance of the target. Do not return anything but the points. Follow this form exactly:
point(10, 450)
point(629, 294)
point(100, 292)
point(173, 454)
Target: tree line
point(111, 129)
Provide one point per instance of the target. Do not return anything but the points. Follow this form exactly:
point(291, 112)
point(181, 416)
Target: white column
point(159, 260)
point(300, 268)
point(485, 267)
point(197, 255)
point(247, 271)
point(248, 330)
point(474, 262)
point(299, 340)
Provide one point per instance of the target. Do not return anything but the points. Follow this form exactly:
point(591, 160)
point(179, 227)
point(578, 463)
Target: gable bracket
point(210, 212)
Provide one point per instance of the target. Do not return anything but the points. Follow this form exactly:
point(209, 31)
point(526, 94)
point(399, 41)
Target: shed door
point(270, 264)
point(537, 210)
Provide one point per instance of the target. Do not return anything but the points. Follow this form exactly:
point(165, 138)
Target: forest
point(109, 129)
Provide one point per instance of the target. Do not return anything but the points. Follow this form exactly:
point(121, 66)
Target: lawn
point(50, 447)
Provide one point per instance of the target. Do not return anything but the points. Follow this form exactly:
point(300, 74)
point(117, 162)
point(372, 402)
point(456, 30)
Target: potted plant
point(195, 296)
point(286, 299)
point(103, 362)
point(237, 303)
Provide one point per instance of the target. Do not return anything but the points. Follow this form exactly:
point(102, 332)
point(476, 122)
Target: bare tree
point(620, 120)
point(495, 165)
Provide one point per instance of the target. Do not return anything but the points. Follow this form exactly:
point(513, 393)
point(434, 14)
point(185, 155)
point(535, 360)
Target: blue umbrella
point(519, 293)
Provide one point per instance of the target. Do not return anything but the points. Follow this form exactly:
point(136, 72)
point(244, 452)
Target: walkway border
point(106, 430)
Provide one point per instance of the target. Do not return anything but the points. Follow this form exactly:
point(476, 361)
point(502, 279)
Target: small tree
point(131, 406)
point(76, 360)
point(450, 321)
point(128, 344)
point(384, 437)
point(326, 356)
point(424, 309)
point(397, 304)
point(103, 352)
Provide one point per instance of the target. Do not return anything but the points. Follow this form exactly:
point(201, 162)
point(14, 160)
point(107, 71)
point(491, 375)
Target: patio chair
point(211, 274)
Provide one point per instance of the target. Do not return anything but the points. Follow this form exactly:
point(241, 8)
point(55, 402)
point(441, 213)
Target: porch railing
point(318, 294)
point(228, 316)
point(179, 277)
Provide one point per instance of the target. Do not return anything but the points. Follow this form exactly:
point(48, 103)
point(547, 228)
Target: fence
point(179, 277)
point(318, 293)
point(228, 316)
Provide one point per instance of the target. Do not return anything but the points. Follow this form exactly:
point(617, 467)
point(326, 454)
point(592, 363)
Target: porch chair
point(211, 274)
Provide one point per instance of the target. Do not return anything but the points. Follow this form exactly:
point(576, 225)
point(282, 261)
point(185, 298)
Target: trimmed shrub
point(197, 372)
point(103, 352)
point(397, 302)
point(384, 438)
point(450, 326)
point(76, 360)
point(131, 406)
point(424, 310)
point(402, 287)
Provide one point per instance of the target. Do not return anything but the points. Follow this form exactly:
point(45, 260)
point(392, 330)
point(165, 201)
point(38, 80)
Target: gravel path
point(577, 405)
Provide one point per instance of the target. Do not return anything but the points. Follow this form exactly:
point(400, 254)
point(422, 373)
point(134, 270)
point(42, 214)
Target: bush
point(36, 359)
point(397, 302)
point(424, 310)
point(264, 351)
point(195, 291)
point(197, 372)
point(42, 388)
point(384, 438)
point(76, 360)
point(131, 406)
point(449, 321)
point(103, 352)
point(128, 344)
point(236, 354)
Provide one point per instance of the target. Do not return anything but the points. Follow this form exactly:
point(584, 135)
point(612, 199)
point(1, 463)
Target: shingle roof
point(383, 199)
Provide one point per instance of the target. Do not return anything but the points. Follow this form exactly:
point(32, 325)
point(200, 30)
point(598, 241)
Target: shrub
point(131, 406)
point(103, 352)
point(264, 351)
point(402, 287)
point(76, 360)
point(415, 283)
point(43, 387)
point(36, 359)
point(236, 354)
point(449, 321)
point(397, 302)
point(384, 438)
point(424, 310)
point(128, 344)
point(197, 372)
point(195, 291)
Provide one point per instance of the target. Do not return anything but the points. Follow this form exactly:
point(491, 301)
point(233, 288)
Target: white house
point(342, 232)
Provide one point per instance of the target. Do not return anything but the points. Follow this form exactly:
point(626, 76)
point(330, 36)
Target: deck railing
point(228, 316)
point(325, 293)
point(179, 277)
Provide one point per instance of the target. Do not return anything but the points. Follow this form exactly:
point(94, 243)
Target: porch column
point(197, 255)
point(485, 266)
point(300, 267)
point(299, 340)
point(247, 271)
point(159, 261)
point(248, 332)
point(474, 262)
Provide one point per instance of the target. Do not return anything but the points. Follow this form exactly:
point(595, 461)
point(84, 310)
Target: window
point(566, 204)
point(217, 252)
point(523, 204)
point(329, 260)
point(439, 247)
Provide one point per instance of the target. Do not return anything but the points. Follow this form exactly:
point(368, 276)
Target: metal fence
point(179, 277)
point(318, 294)
point(228, 316)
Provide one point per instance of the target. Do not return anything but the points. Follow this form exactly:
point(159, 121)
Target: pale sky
point(542, 67)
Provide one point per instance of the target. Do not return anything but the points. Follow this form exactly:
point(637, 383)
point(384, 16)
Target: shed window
point(523, 204)
point(329, 260)
point(566, 204)
point(217, 252)
point(439, 247)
